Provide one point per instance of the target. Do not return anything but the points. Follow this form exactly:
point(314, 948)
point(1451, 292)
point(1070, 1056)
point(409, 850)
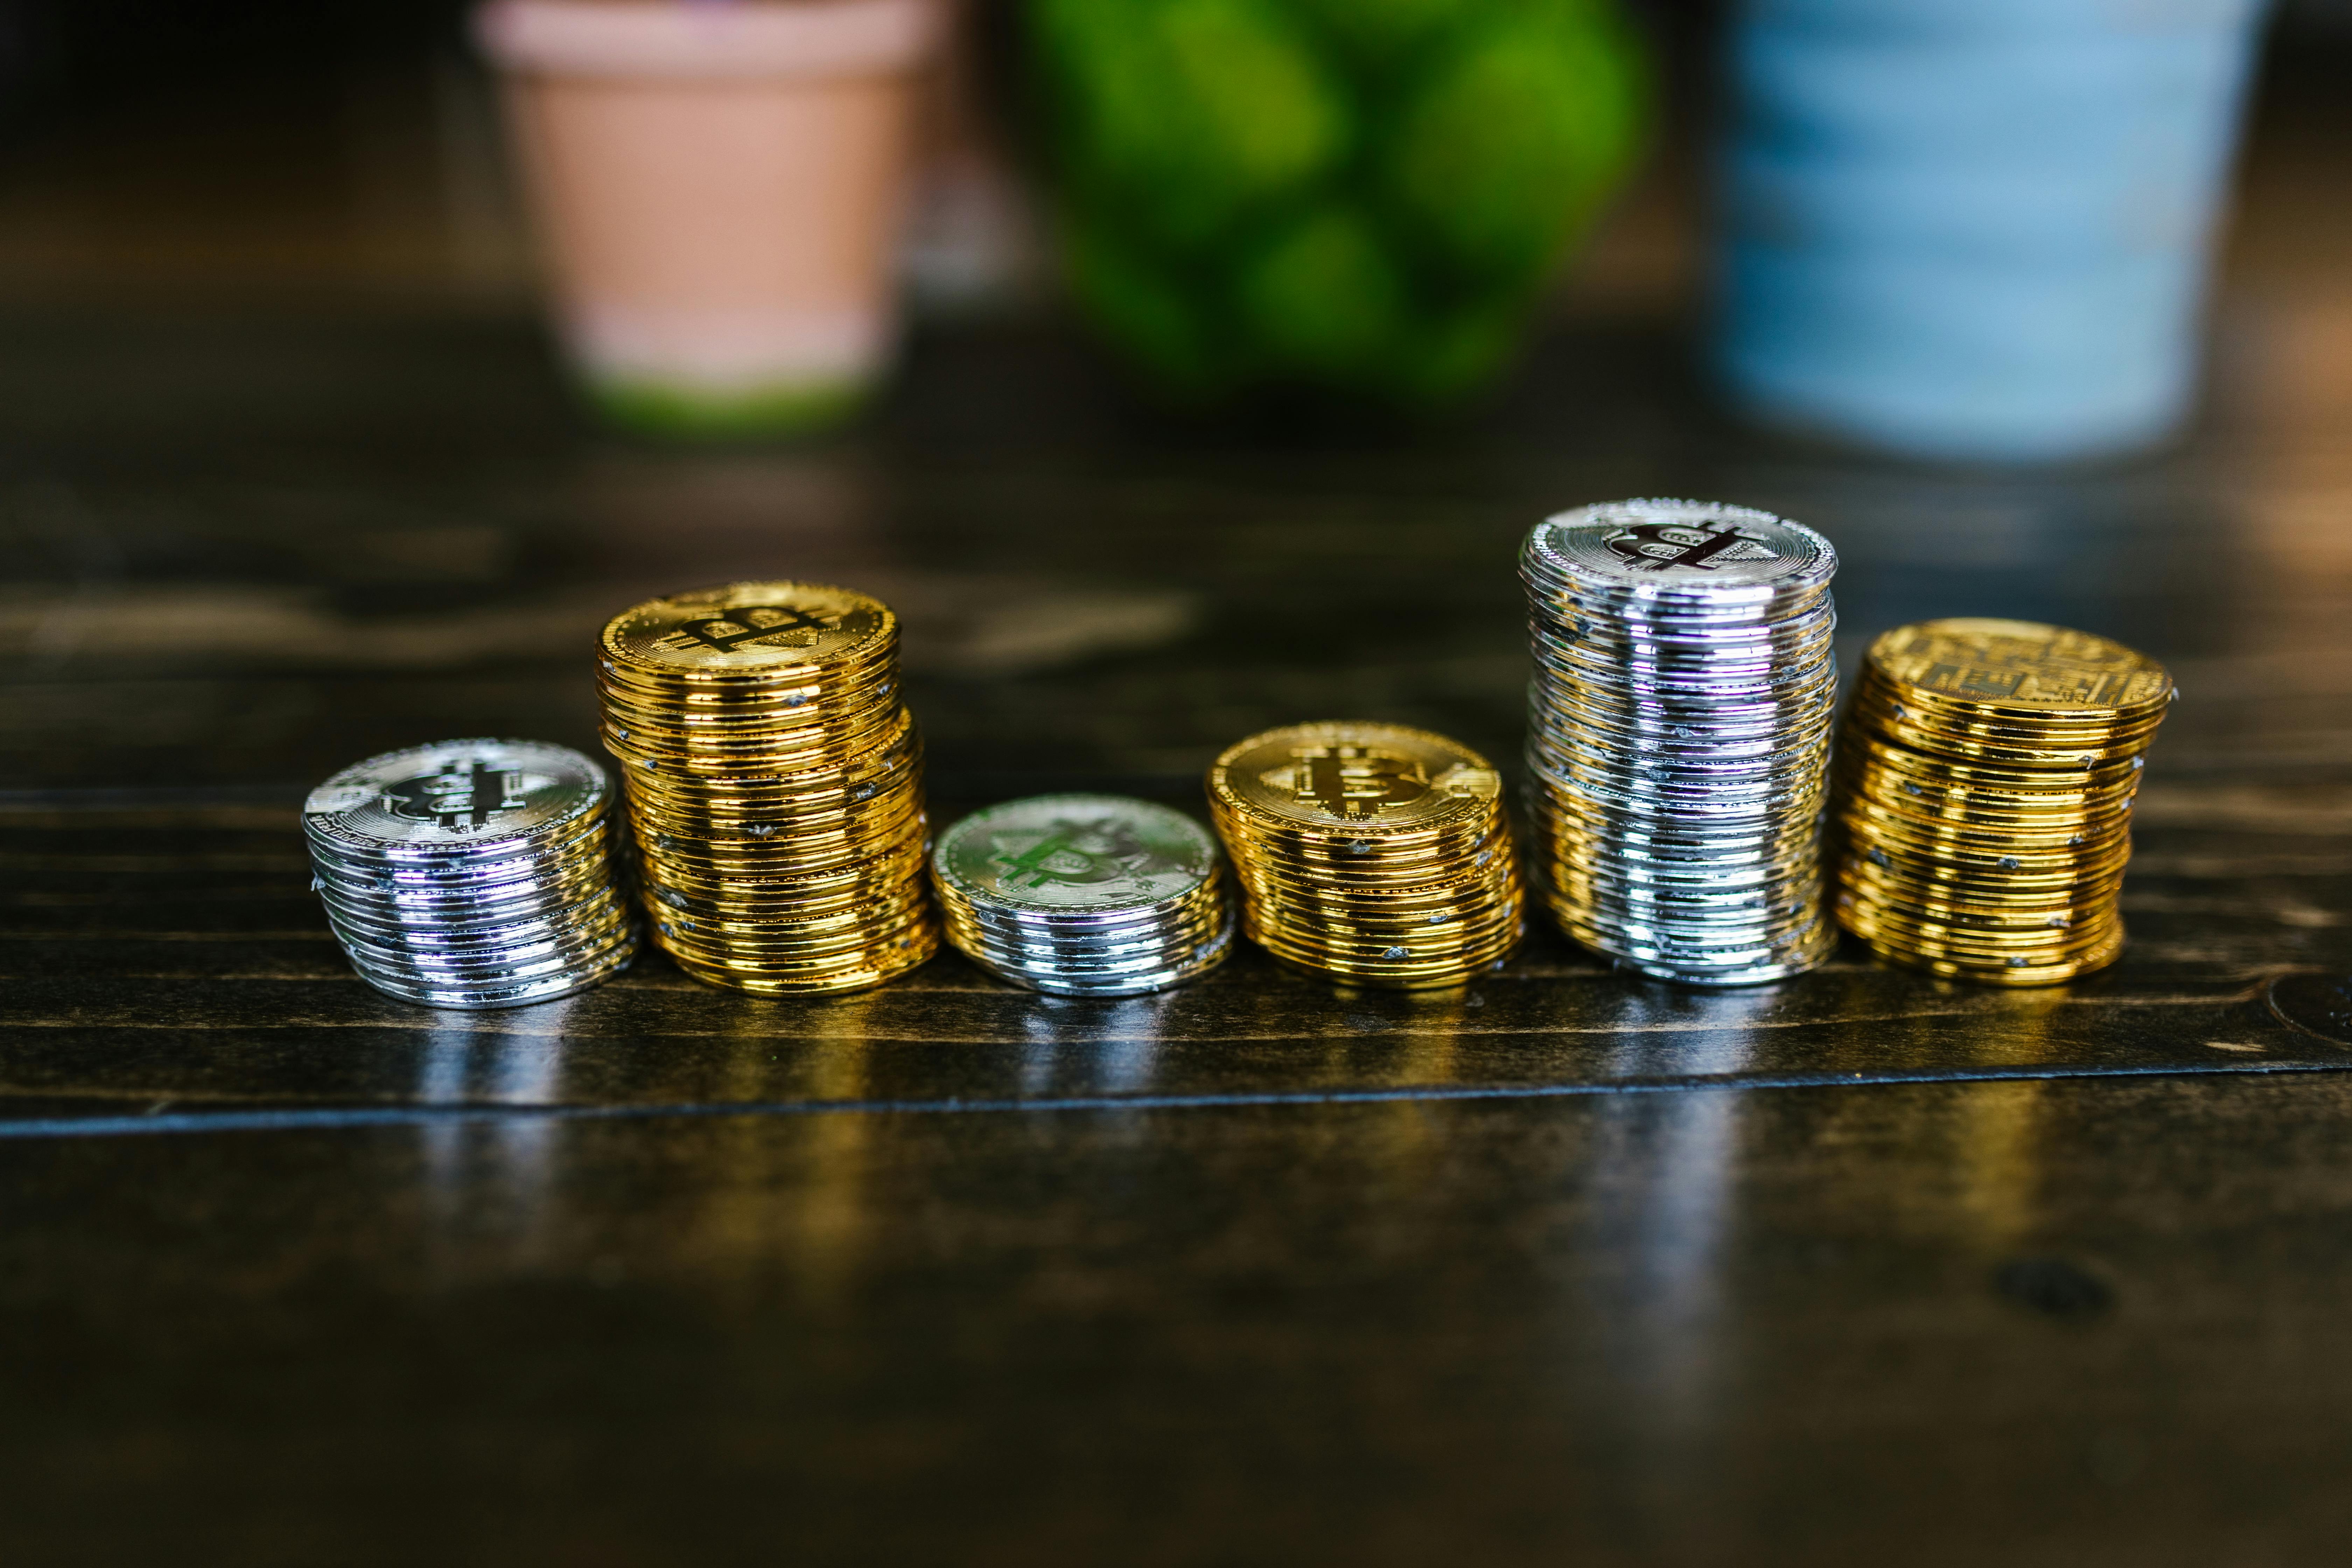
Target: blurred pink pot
point(719, 186)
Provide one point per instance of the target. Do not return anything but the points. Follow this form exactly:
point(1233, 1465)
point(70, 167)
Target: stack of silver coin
point(1084, 895)
point(1679, 733)
point(472, 873)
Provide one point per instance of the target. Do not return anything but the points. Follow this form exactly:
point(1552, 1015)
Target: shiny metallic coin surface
point(1724, 561)
point(1985, 774)
point(1085, 894)
point(475, 873)
point(1678, 738)
point(1373, 854)
point(749, 633)
point(454, 800)
point(773, 780)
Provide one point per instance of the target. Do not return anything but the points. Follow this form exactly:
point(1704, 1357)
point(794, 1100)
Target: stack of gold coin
point(1985, 775)
point(774, 784)
point(1372, 852)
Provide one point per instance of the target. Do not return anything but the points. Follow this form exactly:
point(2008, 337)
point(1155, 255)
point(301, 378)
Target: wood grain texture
point(1562, 1268)
point(1932, 1323)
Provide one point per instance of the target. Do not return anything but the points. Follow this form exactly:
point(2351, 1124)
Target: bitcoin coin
point(1084, 895)
point(473, 873)
point(773, 780)
point(1371, 853)
point(1985, 775)
point(1678, 736)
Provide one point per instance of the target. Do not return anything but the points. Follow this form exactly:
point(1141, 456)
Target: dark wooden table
point(1563, 1268)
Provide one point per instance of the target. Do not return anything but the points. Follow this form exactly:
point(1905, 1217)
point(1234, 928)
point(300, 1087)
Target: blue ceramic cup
point(1976, 229)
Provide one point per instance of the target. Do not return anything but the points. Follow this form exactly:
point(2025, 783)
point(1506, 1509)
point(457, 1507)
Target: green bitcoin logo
point(1075, 853)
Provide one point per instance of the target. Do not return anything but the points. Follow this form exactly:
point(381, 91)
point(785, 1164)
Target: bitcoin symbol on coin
point(1072, 852)
point(1660, 546)
point(746, 624)
point(456, 799)
point(1356, 782)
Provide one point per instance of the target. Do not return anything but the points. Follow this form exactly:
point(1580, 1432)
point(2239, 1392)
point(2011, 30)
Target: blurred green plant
point(1360, 196)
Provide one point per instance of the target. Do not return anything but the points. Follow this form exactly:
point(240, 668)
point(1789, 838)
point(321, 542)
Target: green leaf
point(1502, 155)
point(1149, 314)
point(1382, 36)
point(1323, 297)
point(1189, 114)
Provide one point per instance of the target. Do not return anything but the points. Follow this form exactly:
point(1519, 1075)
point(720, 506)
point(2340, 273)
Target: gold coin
point(1391, 975)
point(2054, 750)
point(1988, 850)
point(1860, 877)
point(748, 632)
point(1468, 930)
point(1372, 873)
point(772, 780)
point(863, 900)
point(890, 863)
point(2020, 668)
point(1419, 901)
point(830, 790)
point(2003, 972)
point(744, 876)
point(785, 946)
point(764, 690)
point(1985, 774)
point(722, 767)
point(1868, 916)
point(667, 707)
point(865, 916)
point(2019, 787)
point(1905, 813)
point(1372, 852)
point(1348, 780)
point(686, 820)
point(867, 970)
point(2016, 929)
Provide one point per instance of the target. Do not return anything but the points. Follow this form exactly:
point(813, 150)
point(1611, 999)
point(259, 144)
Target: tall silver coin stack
point(472, 873)
point(1084, 895)
point(1678, 736)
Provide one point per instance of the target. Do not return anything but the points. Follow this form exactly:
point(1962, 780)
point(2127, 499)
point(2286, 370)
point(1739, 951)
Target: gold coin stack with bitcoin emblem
point(774, 782)
point(1986, 771)
point(1374, 853)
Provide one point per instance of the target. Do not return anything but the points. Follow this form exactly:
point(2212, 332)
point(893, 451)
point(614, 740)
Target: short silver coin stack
point(472, 873)
point(1679, 732)
point(1084, 895)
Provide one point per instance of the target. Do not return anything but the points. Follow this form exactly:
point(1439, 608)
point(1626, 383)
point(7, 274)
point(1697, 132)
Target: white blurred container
point(717, 183)
point(1977, 228)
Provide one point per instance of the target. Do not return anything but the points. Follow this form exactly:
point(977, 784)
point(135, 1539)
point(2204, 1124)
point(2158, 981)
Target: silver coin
point(475, 873)
point(575, 929)
point(506, 969)
point(1664, 550)
point(455, 799)
point(1680, 734)
point(407, 988)
point(1081, 981)
point(516, 903)
point(1757, 967)
point(1084, 894)
point(1075, 853)
point(1157, 936)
